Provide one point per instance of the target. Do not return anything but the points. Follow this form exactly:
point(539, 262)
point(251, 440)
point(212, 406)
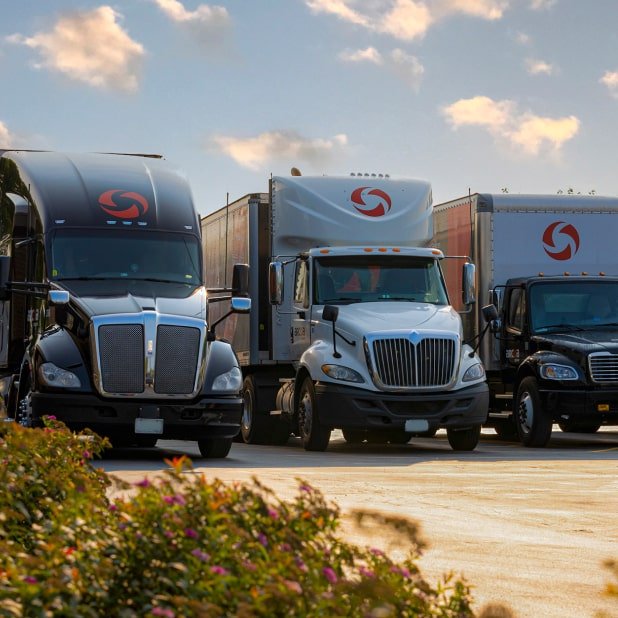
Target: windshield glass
point(573, 304)
point(103, 254)
point(371, 278)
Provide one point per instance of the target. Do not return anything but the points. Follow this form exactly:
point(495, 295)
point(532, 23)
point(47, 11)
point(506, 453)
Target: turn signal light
point(602, 407)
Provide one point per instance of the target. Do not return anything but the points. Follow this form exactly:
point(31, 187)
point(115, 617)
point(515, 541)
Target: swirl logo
point(379, 202)
point(126, 205)
point(560, 240)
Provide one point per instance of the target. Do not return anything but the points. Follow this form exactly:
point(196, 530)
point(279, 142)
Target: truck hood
point(576, 344)
point(362, 318)
point(175, 299)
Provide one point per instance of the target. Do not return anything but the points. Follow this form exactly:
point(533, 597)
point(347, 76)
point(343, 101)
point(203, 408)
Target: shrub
point(185, 545)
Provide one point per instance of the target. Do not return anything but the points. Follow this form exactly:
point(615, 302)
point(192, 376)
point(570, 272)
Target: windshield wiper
point(343, 299)
point(601, 325)
point(559, 326)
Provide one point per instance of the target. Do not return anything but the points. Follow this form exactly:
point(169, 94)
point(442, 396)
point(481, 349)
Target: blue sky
point(468, 94)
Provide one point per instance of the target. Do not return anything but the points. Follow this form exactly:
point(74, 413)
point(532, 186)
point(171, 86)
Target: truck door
point(300, 335)
point(514, 339)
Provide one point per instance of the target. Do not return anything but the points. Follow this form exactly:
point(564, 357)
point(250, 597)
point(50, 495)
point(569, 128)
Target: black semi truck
point(102, 308)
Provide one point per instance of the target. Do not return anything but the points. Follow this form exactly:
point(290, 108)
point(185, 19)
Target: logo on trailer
point(377, 205)
point(123, 204)
point(561, 240)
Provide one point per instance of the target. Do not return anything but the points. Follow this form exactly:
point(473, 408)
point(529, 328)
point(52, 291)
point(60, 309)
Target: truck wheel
point(463, 439)
point(214, 448)
point(533, 422)
point(579, 426)
point(24, 414)
point(506, 430)
point(354, 436)
point(253, 425)
point(398, 436)
point(313, 435)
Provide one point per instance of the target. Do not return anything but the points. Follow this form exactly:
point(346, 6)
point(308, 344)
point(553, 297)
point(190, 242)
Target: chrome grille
point(604, 367)
point(121, 349)
point(176, 360)
point(400, 363)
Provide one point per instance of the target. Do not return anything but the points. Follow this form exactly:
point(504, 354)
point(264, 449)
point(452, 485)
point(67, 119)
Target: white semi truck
point(350, 326)
point(549, 265)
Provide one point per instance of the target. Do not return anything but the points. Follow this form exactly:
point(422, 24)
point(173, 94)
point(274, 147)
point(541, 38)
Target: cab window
point(516, 312)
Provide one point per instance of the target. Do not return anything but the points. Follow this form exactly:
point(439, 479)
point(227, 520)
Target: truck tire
point(531, 419)
point(253, 425)
point(354, 436)
point(313, 435)
point(463, 439)
point(506, 430)
point(214, 448)
point(579, 426)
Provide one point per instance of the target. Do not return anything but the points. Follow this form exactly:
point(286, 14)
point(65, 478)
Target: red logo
point(129, 205)
point(561, 240)
point(379, 203)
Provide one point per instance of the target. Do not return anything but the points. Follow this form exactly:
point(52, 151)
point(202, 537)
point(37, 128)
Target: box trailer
point(102, 303)
point(549, 265)
point(350, 325)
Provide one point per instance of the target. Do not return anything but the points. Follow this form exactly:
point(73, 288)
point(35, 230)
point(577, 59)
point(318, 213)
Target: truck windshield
point(573, 305)
point(362, 279)
point(103, 254)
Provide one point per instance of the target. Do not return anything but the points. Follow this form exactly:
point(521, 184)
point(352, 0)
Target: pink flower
point(306, 488)
point(30, 580)
point(163, 611)
point(200, 555)
point(169, 534)
point(293, 586)
point(376, 552)
point(218, 570)
point(113, 507)
point(300, 564)
point(247, 564)
point(366, 572)
point(86, 455)
point(51, 417)
point(273, 513)
point(192, 534)
point(330, 575)
point(262, 539)
point(285, 547)
point(177, 499)
point(143, 483)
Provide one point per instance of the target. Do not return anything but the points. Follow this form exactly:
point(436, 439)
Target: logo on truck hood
point(560, 240)
point(123, 204)
point(379, 202)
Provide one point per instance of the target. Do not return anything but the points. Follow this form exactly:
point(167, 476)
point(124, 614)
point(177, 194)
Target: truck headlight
point(52, 375)
point(476, 372)
point(228, 382)
point(339, 372)
point(558, 372)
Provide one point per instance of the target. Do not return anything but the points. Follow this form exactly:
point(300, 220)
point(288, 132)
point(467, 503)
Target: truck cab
point(558, 344)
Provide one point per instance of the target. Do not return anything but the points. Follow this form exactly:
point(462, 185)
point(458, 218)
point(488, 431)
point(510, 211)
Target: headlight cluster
point(345, 374)
point(52, 375)
point(476, 372)
point(552, 371)
point(228, 382)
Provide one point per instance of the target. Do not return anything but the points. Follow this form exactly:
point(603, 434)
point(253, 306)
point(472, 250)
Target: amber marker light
point(382, 249)
point(436, 252)
point(602, 407)
point(396, 250)
point(368, 249)
point(324, 250)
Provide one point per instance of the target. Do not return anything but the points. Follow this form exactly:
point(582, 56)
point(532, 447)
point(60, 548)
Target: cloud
point(209, 23)
point(406, 67)
point(7, 139)
point(282, 146)
point(539, 5)
point(91, 47)
point(610, 79)
point(405, 19)
point(539, 67)
point(528, 132)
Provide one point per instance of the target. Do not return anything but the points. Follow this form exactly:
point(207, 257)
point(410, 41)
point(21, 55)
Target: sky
point(471, 95)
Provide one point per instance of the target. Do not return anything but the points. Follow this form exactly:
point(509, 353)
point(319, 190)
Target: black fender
point(56, 345)
point(220, 358)
point(531, 366)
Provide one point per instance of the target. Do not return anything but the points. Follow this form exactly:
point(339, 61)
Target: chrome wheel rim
point(526, 413)
point(305, 414)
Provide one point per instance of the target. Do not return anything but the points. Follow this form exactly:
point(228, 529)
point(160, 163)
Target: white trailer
point(549, 265)
point(350, 325)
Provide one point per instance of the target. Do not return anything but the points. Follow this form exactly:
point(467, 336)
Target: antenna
point(227, 220)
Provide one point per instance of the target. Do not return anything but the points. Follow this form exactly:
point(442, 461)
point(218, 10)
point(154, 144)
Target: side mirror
point(240, 280)
point(240, 304)
point(5, 269)
point(275, 283)
point(58, 297)
point(469, 283)
point(490, 313)
point(330, 313)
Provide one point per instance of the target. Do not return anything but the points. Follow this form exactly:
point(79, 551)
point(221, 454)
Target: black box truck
point(103, 312)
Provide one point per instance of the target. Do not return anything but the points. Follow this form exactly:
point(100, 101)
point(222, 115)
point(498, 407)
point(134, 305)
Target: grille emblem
point(414, 337)
point(150, 347)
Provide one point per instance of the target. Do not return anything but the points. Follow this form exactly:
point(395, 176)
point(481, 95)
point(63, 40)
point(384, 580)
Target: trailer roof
point(100, 189)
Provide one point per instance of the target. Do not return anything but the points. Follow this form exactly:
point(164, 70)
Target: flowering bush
point(184, 545)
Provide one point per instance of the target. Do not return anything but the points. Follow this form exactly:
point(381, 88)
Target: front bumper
point(580, 405)
point(208, 417)
point(352, 408)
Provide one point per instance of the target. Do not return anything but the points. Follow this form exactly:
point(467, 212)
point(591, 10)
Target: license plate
point(149, 425)
point(417, 424)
